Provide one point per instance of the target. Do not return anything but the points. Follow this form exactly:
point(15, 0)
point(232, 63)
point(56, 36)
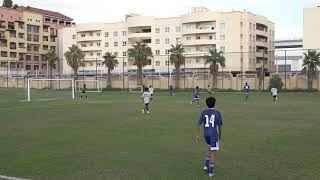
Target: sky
point(286, 14)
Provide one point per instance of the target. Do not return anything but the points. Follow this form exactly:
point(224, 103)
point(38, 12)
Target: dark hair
point(211, 102)
point(150, 86)
point(197, 87)
point(146, 89)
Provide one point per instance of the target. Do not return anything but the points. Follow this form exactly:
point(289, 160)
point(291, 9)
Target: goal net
point(49, 89)
point(91, 85)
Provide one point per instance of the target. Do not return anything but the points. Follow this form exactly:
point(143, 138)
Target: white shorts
point(214, 146)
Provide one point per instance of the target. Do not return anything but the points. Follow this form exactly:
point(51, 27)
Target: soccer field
point(107, 137)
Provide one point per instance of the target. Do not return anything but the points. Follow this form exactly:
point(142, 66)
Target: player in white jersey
point(151, 90)
point(274, 93)
point(146, 100)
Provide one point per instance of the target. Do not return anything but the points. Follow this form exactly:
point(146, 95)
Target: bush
point(276, 82)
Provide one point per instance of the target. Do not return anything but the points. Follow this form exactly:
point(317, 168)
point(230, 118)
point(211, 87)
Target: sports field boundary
point(11, 178)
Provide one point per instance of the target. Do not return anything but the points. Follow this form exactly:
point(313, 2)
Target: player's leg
point(213, 148)
point(208, 157)
point(81, 96)
point(86, 95)
point(198, 102)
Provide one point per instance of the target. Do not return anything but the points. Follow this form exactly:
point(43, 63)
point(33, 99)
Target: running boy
point(274, 93)
point(146, 100)
point(212, 128)
point(196, 96)
point(246, 90)
point(209, 90)
point(83, 92)
point(151, 90)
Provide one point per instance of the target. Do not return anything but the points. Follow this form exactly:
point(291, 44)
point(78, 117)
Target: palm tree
point(74, 57)
point(140, 52)
point(51, 58)
point(215, 59)
point(310, 64)
point(111, 62)
point(177, 59)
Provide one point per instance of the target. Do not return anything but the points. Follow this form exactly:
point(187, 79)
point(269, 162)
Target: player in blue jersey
point(196, 96)
point(212, 129)
point(246, 90)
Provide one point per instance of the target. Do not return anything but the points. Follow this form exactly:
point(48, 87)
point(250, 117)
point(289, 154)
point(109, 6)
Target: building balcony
point(139, 35)
point(91, 48)
point(199, 42)
point(89, 38)
point(204, 30)
point(262, 43)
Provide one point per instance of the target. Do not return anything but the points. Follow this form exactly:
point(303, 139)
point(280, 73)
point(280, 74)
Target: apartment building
point(246, 39)
point(289, 55)
point(26, 34)
point(311, 28)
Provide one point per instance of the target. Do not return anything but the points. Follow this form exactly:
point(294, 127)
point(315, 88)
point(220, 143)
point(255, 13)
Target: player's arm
point(198, 129)
point(220, 132)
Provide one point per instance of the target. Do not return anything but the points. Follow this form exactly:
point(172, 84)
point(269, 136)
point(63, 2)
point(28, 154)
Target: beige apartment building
point(26, 35)
point(246, 39)
point(311, 28)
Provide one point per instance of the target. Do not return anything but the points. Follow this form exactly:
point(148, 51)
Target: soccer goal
point(49, 89)
point(91, 85)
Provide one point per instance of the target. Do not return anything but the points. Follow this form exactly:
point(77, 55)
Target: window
point(83, 45)
point(91, 44)
point(29, 37)
point(98, 44)
point(254, 26)
point(36, 58)
point(167, 40)
point(35, 67)
point(45, 47)
point(178, 40)
point(223, 49)
point(28, 67)
point(178, 29)
point(124, 43)
point(116, 53)
point(124, 54)
point(167, 51)
point(36, 29)
point(36, 38)
point(167, 63)
point(157, 30)
point(98, 34)
point(188, 49)
point(91, 54)
point(124, 64)
point(157, 41)
point(250, 26)
point(222, 25)
point(106, 34)
point(250, 37)
point(188, 38)
point(115, 44)
point(74, 36)
point(91, 33)
point(28, 57)
point(29, 28)
point(115, 33)
point(189, 61)
point(43, 66)
point(83, 35)
point(167, 29)
point(222, 37)
point(198, 38)
point(157, 52)
point(157, 63)
point(106, 44)
point(124, 33)
point(98, 54)
point(36, 48)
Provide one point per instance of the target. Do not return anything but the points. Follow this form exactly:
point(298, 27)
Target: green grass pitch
point(107, 137)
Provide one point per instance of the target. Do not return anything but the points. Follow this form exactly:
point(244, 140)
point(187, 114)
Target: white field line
point(49, 105)
point(11, 178)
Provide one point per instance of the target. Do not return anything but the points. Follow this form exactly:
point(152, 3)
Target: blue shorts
point(213, 145)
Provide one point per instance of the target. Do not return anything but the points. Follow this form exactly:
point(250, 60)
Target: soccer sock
point(207, 161)
point(211, 167)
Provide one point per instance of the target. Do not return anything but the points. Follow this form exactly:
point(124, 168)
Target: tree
point(177, 59)
point(74, 59)
point(310, 64)
point(276, 82)
point(7, 3)
point(215, 59)
point(111, 62)
point(51, 58)
point(140, 52)
point(260, 75)
point(15, 6)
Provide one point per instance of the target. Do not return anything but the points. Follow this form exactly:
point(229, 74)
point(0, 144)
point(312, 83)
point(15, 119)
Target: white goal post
point(91, 85)
point(30, 80)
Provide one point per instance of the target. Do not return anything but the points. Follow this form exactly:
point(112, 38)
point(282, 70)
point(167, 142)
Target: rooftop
point(46, 12)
